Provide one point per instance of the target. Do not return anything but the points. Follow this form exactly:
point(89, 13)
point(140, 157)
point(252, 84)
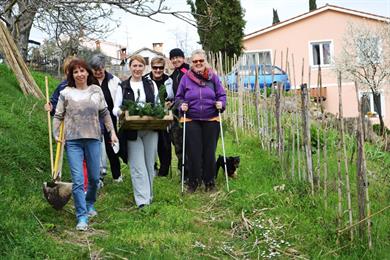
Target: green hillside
point(265, 215)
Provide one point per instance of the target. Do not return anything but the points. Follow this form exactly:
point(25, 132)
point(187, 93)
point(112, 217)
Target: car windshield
point(246, 71)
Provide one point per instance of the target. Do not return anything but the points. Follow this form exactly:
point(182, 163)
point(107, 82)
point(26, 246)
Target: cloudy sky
point(136, 32)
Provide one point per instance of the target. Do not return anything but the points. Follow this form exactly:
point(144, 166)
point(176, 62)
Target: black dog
point(232, 163)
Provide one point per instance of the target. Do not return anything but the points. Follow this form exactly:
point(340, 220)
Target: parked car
point(269, 74)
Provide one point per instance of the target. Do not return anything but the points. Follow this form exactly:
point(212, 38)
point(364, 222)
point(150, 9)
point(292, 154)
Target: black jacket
point(177, 75)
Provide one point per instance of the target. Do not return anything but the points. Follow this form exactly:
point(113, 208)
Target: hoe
point(57, 193)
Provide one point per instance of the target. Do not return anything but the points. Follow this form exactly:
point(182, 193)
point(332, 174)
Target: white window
point(257, 57)
point(368, 50)
point(372, 104)
point(320, 53)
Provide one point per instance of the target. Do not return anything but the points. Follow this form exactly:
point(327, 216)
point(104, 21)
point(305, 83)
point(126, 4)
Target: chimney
point(97, 45)
point(158, 46)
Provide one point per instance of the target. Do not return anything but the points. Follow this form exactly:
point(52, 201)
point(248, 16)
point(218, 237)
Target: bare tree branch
point(366, 58)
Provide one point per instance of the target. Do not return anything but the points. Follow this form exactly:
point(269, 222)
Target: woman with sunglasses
point(201, 95)
point(164, 146)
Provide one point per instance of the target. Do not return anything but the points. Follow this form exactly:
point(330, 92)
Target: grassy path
point(264, 215)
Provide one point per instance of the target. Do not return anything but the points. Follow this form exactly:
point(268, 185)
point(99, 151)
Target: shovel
point(57, 193)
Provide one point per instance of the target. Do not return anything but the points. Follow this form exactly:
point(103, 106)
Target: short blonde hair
point(157, 60)
point(138, 58)
point(67, 61)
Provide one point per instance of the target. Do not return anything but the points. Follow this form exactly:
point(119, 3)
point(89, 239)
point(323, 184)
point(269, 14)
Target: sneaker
point(92, 212)
point(82, 225)
point(101, 184)
point(120, 179)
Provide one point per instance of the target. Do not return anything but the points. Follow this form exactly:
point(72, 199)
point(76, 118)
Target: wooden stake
point(363, 197)
point(307, 135)
point(342, 143)
point(339, 192)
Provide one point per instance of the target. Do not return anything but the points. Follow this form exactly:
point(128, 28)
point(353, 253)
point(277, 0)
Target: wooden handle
point(49, 125)
point(59, 153)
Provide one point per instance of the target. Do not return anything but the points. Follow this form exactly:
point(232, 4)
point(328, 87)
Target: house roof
point(147, 49)
point(315, 12)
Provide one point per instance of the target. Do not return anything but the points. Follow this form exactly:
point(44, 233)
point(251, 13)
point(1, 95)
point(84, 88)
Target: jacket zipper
point(201, 103)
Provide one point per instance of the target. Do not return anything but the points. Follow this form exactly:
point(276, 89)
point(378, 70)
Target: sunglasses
point(198, 61)
point(158, 67)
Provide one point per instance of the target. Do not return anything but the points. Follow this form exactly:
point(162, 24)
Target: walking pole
point(184, 152)
point(223, 149)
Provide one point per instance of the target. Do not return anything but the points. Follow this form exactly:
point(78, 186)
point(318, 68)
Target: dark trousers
point(115, 164)
point(164, 150)
point(201, 143)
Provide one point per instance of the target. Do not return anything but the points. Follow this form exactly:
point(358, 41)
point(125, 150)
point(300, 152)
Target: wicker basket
point(145, 122)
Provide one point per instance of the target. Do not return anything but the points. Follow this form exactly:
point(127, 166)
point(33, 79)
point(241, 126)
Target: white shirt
point(136, 86)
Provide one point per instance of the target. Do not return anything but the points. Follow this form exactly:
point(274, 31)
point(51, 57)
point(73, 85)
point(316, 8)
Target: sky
point(137, 32)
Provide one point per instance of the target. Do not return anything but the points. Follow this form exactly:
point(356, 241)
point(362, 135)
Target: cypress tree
point(312, 5)
point(275, 18)
point(220, 25)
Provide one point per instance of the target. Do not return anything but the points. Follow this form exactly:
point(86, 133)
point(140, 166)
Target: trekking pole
point(223, 149)
point(184, 153)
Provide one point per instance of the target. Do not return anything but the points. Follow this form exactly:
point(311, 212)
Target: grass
point(264, 215)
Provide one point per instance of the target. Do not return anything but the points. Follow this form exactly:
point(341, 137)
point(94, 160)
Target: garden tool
point(223, 150)
point(56, 192)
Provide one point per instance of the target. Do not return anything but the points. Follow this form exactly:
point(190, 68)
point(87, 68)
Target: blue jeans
point(76, 150)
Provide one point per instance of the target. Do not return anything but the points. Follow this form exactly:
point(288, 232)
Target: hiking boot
point(191, 189)
point(82, 225)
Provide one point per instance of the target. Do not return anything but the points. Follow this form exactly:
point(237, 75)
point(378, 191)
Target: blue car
point(247, 77)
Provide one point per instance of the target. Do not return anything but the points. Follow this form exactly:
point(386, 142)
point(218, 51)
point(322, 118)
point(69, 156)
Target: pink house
point(317, 37)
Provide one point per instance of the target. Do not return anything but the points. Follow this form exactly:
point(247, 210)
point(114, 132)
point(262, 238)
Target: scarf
point(201, 78)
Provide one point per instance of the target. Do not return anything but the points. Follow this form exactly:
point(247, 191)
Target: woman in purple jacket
point(201, 95)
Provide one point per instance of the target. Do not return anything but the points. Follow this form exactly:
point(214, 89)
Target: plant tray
point(145, 122)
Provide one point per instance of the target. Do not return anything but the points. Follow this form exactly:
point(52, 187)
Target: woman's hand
point(168, 104)
point(114, 138)
point(218, 105)
point(48, 107)
point(121, 113)
point(184, 107)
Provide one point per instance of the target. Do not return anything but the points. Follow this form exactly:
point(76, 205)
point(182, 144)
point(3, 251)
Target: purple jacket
point(201, 95)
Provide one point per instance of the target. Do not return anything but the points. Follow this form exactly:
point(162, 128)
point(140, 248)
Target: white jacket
point(114, 86)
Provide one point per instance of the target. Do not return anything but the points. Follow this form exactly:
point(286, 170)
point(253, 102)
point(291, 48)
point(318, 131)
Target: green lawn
point(264, 215)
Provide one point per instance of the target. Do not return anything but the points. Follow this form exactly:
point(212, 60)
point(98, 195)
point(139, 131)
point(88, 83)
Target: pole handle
point(49, 126)
point(223, 150)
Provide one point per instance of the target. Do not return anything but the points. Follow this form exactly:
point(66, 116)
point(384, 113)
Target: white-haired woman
point(109, 84)
point(201, 95)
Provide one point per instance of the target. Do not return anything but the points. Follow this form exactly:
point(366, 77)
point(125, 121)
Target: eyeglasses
point(158, 67)
point(198, 61)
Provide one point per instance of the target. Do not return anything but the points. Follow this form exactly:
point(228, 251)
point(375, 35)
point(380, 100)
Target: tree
point(61, 19)
point(275, 18)
point(220, 25)
point(312, 5)
point(365, 57)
